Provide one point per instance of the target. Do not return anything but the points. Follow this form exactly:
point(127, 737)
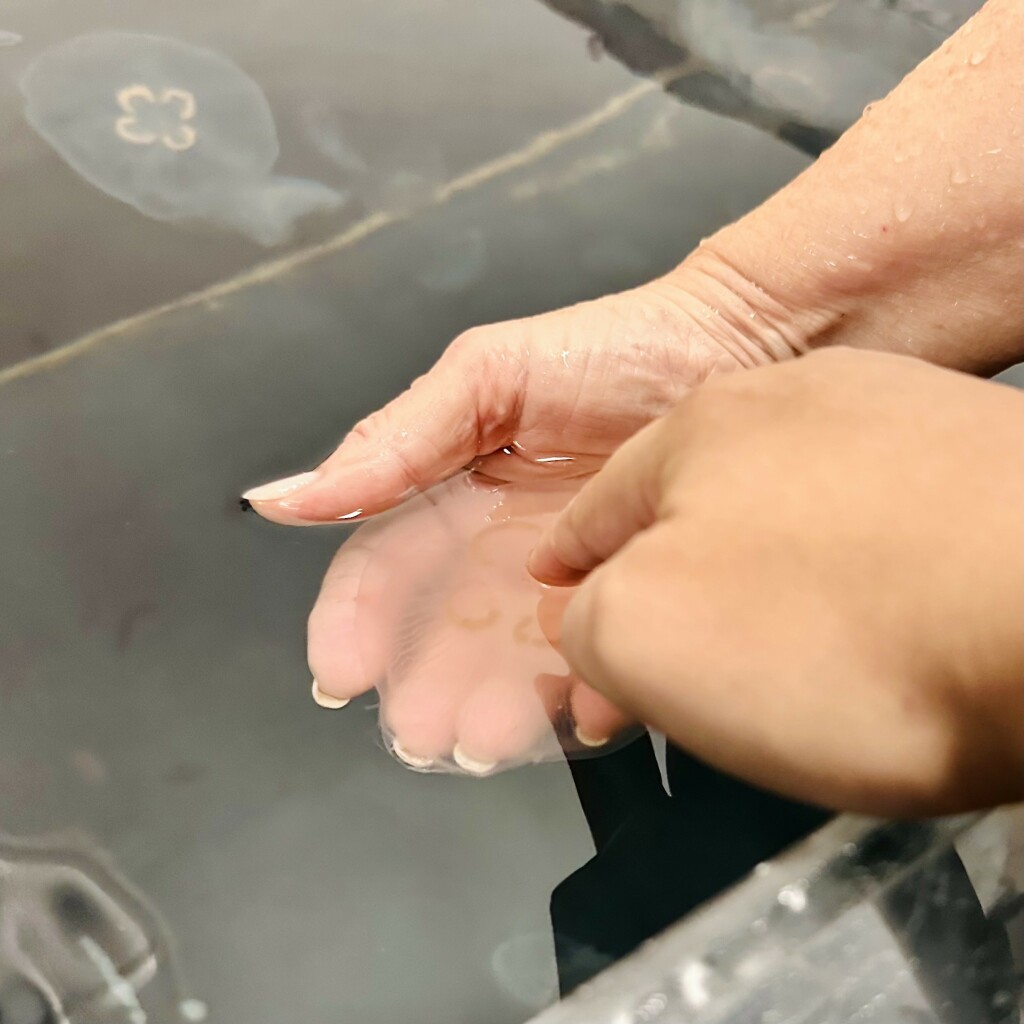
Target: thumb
point(463, 407)
point(620, 501)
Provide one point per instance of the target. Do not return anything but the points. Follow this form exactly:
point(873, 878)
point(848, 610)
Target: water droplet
point(867, 110)
point(900, 157)
point(193, 1010)
point(694, 981)
point(994, 152)
point(831, 264)
point(903, 212)
point(762, 869)
point(793, 897)
point(651, 1008)
point(977, 57)
point(958, 175)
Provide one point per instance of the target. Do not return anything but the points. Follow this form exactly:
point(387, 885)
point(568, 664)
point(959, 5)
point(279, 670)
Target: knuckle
point(469, 344)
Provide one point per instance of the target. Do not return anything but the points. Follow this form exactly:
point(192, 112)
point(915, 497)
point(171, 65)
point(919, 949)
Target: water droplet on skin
point(793, 897)
point(958, 176)
point(994, 152)
point(831, 264)
point(694, 983)
point(867, 110)
point(903, 212)
point(977, 57)
point(900, 157)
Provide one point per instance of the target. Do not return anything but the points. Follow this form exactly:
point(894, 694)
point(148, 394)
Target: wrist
point(751, 312)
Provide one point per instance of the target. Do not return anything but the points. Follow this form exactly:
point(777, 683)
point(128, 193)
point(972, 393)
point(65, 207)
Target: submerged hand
point(431, 603)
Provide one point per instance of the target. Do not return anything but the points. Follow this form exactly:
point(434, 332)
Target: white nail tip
point(277, 489)
point(325, 700)
point(471, 765)
point(591, 741)
point(410, 759)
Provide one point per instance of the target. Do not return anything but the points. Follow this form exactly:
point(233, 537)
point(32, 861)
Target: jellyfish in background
point(78, 944)
point(177, 131)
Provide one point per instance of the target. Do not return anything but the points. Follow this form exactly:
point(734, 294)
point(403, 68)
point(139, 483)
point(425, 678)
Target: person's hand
point(812, 576)
point(431, 603)
point(559, 392)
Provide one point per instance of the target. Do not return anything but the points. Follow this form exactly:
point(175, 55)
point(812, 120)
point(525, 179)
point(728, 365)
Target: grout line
point(537, 148)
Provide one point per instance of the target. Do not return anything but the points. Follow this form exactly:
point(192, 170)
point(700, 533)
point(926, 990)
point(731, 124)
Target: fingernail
point(325, 700)
point(280, 488)
point(471, 765)
point(591, 741)
point(410, 759)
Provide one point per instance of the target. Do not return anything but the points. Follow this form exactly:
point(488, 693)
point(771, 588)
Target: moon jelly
point(177, 131)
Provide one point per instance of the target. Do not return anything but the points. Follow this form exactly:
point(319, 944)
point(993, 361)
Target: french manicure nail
point(280, 488)
point(470, 764)
point(591, 741)
point(325, 700)
point(410, 759)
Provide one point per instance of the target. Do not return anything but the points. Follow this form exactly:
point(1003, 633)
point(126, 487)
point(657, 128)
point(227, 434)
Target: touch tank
point(232, 230)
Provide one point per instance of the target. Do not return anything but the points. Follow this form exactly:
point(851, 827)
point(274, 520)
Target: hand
point(558, 393)
point(433, 605)
point(812, 576)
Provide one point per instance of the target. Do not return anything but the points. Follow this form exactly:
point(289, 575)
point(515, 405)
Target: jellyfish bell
point(175, 130)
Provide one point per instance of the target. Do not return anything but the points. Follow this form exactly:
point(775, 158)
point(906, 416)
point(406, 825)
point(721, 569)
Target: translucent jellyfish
point(524, 967)
point(78, 944)
point(177, 131)
point(433, 604)
point(388, 170)
point(455, 261)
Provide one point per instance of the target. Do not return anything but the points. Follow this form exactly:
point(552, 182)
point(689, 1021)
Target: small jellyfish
point(455, 261)
point(177, 131)
point(78, 943)
point(524, 967)
point(461, 642)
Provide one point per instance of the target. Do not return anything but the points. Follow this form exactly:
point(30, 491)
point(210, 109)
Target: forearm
point(906, 236)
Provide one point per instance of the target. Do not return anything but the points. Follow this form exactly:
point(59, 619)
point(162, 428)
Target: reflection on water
point(78, 943)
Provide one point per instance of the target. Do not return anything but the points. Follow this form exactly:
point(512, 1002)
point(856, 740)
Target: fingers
point(620, 501)
point(352, 625)
point(597, 719)
point(467, 405)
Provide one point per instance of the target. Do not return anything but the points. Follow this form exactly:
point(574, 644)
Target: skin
point(838, 620)
point(905, 237)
